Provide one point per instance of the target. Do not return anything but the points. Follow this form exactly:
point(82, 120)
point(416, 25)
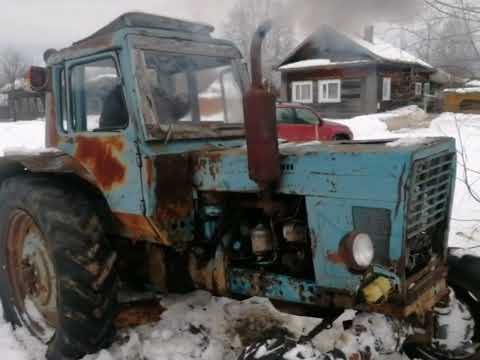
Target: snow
point(473, 83)
point(314, 63)
point(22, 136)
point(466, 90)
point(19, 84)
point(199, 326)
point(387, 51)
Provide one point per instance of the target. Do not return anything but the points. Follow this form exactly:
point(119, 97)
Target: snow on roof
point(387, 51)
point(315, 63)
point(466, 90)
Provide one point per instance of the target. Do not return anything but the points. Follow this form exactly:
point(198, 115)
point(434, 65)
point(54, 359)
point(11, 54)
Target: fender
point(44, 161)
point(56, 162)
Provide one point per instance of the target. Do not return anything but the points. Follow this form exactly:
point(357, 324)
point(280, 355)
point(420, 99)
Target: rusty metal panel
point(103, 157)
point(174, 187)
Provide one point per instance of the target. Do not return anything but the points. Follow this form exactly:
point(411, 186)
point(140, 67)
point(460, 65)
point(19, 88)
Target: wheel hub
point(32, 275)
point(454, 331)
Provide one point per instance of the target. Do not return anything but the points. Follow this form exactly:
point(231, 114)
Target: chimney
point(368, 33)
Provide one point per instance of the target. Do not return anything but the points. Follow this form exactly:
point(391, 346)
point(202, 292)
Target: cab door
point(99, 131)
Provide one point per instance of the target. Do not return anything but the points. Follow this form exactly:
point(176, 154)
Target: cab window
point(97, 100)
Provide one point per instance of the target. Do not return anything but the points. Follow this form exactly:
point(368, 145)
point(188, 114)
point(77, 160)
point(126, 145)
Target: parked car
point(297, 122)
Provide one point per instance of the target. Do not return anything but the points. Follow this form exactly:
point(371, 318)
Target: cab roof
point(105, 37)
point(148, 21)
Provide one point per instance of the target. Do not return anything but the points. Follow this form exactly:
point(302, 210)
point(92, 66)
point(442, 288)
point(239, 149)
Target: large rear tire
point(57, 268)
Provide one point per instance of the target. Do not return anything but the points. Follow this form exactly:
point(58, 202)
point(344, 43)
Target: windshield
point(192, 89)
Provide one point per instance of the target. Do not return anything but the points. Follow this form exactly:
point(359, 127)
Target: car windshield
point(185, 88)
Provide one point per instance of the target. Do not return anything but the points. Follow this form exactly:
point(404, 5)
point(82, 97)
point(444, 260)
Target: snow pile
point(379, 126)
point(473, 83)
point(22, 135)
point(200, 326)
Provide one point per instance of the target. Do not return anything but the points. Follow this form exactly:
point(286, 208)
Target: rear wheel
point(57, 267)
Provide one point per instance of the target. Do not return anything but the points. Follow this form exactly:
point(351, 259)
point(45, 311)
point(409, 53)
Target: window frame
point(68, 84)
point(326, 100)
point(296, 84)
point(418, 88)
point(427, 86)
point(386, 95)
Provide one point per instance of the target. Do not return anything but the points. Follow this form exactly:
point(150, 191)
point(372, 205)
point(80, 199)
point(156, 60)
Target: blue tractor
point(163, 173)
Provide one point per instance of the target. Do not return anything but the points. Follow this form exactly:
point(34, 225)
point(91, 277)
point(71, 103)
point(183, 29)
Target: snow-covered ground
point(199, 326)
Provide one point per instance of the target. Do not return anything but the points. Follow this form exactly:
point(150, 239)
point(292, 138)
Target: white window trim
point(294, 91)
point(418, 89)
point(322, 99)
point(387, 95)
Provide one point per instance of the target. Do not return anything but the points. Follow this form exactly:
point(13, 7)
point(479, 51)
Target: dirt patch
point(255, 327)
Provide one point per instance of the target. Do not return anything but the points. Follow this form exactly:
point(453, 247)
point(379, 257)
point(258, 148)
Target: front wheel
point(457, 320)
point(57, 273)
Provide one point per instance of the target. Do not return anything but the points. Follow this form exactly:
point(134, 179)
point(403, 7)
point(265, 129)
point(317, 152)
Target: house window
point(387, 89)
point(426, 88)
point(418, 89)
point(302, 91)
point(329, 91)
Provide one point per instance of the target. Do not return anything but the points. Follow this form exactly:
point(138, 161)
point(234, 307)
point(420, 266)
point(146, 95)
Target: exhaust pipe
point(260, 121)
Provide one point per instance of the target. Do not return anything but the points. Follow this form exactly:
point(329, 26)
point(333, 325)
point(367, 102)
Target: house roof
point(378, 51)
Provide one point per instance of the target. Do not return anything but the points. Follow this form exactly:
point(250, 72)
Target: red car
point(299, 123)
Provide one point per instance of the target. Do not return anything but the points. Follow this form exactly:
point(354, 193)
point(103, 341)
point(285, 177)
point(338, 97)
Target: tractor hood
point(354, 170)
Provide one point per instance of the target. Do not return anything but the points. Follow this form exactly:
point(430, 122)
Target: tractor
point(162, 172)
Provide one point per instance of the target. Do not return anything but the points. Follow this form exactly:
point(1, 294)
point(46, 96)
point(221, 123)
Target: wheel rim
point(471, 348)
point(32, 276)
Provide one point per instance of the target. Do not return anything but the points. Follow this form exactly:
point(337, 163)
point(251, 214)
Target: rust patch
point(137, 226)
point(339, 257)
point(137, 314)
point(51, 133)
point(102, 157)
point(174, 187)
point(149, 166)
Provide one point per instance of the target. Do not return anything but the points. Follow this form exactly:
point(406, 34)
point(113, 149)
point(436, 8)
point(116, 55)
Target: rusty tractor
point(163, 173)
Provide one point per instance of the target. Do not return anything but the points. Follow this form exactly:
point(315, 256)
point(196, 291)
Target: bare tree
point(446, 33)
point(244, 19)
point(13, 67)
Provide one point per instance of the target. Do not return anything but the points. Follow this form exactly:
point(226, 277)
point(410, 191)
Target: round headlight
point(362, 250)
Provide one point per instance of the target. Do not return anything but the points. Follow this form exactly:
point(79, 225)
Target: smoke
point(350, 15)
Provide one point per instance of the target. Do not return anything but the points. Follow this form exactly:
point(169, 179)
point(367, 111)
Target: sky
point(36, 25)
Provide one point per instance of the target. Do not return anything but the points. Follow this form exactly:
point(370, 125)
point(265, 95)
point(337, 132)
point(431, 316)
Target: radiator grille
point(430, 193)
